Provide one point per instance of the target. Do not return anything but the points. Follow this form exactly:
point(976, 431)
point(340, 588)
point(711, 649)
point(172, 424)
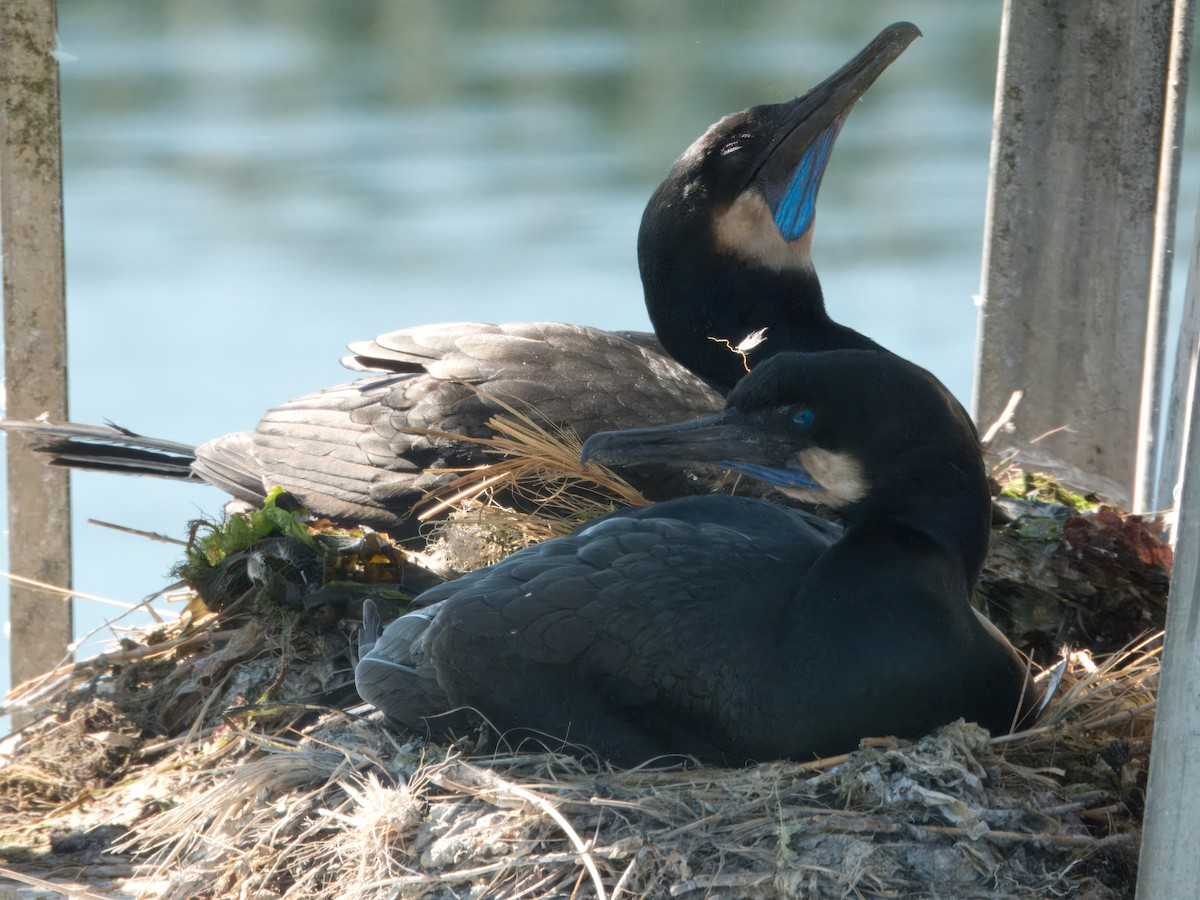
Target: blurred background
point(251, 184)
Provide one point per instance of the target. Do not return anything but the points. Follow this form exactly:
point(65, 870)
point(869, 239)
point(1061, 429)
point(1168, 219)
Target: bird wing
point(632, 614)
point(357, 452)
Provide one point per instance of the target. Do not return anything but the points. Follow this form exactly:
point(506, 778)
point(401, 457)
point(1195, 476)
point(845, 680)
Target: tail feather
point(107, 449)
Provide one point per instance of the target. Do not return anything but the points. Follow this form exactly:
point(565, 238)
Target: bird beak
point(790, 171)
point(730, 438)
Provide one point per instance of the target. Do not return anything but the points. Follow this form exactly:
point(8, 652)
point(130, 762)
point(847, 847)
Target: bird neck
point(944, 500)
point(706, 311)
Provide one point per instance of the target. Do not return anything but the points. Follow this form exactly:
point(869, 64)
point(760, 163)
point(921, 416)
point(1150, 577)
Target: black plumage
point(731, 629)
point(354, 452)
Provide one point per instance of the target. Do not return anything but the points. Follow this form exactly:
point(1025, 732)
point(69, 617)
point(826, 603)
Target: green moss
point(293, 565)
point(1044, 489)
point(211, 543)
point(1040, 528)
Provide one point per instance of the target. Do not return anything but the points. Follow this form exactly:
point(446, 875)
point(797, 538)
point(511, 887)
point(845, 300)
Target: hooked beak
point(792, 166)
point(730, 438)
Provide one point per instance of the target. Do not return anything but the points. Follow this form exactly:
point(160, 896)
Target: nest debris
point(281, 799)
point(224, 755)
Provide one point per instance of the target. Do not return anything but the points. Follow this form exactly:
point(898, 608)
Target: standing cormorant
point(724, 252)
point(726, 628)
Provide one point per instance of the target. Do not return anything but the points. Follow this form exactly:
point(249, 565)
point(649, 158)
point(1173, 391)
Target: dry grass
point(539, 465)
point(537, 489)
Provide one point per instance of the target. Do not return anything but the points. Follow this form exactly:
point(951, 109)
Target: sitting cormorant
point(731, 629)
point(724, 252)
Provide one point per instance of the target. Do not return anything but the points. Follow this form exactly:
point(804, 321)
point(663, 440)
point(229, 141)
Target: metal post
point(1146, 496)
point(35, 363)
point(1183, 388)
point(1170, 863)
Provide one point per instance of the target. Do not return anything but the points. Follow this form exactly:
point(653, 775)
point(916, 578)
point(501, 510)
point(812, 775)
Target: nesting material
point(225, 755)
point(275, 799)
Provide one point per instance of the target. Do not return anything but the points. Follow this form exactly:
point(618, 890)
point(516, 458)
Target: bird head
point(866, 433)
point(725, 241)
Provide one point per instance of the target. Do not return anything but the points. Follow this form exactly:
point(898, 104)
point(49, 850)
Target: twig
point(541, 859)
point(473, 490)
point(827, 762)
point(152, 535)
point(1118, 718)
point(1004, 418)
point(1104, 813)
point(1115, 719)
point(65, 593)
point(1051, 432)
point(34, 687)
point(848, 824)
point(53, 886)
point(708, 882)
point(491, 781)
point(626, 876)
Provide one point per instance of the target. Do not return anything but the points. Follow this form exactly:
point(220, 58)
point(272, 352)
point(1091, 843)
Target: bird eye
point(803, 417)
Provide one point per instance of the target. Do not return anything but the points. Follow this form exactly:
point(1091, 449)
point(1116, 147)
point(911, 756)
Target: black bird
point(724, 252)
point(731, 629)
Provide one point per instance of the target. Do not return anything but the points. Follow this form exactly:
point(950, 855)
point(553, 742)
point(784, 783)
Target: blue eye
point(803, 417)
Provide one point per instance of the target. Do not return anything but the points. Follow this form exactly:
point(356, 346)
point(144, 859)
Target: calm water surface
point(251, 185)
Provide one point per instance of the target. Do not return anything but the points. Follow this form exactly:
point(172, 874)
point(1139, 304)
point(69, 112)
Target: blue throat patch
point(794, 215)
point(777, 477)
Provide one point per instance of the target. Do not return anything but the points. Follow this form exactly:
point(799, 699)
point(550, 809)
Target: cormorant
point(731, 629)
point(724, 252)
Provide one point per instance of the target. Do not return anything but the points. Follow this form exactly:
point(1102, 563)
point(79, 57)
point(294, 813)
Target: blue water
point(251, 185)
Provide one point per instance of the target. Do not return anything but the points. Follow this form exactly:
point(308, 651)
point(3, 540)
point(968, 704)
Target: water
point(251, 185)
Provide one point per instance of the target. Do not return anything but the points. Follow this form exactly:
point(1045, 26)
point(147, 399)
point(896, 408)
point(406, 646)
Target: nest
point(279, 798)
point(224, 754)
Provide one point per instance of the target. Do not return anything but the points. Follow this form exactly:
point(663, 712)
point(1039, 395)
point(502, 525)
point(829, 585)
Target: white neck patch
point(747, 229)
point(840, 474)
